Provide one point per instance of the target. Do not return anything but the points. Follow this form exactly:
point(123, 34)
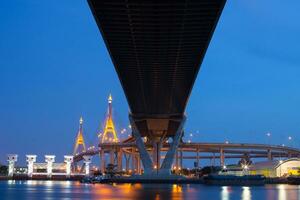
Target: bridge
point(157, 48)
point(118, 150)
point(221, 152)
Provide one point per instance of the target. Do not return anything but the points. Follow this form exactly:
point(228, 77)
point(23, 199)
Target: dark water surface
point(66, 190)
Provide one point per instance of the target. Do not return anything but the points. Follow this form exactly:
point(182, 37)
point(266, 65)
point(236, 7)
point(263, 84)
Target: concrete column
point(181, 158)
point(168, 161)
point(137, 164)
point(68, 160)
point(177, 162)
point(146, 160)
point(133, 160)
point(156, 154)
point(222, 157)
point(49, 159)
point(87, 161)
point(12, 159)
point(31, 159)
point(112, 157)
point(127, 160)
point(102, 160)
point(270, 155)
point(120, 159)
point(197, 158)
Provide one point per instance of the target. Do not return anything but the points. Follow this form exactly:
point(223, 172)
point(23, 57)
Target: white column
point(12, 159)
point(49, 159)
point(30, 160)
point(68, 161)
point(87, 161)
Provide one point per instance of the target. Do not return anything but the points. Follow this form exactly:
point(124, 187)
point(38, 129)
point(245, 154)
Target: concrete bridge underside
point(157, 48)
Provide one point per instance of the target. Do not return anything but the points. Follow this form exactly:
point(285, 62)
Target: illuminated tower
point(79, 143)
point(109, 134)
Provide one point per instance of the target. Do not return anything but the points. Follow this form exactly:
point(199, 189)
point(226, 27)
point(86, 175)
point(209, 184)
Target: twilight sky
point(54, 67)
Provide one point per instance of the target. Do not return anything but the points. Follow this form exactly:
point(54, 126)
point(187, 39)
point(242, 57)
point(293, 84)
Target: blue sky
point(54, 68)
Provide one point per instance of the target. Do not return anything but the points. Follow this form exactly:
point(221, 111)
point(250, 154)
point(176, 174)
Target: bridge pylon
point(109, 134)
point(79, 143)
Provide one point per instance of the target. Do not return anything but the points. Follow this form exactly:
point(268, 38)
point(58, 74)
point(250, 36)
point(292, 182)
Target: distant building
point(276, 168)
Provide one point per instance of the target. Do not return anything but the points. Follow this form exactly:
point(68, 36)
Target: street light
point(269, 136)
point(290, 140)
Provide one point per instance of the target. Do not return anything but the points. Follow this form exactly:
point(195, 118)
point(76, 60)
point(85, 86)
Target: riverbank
point(133, 180)
point(42, 178)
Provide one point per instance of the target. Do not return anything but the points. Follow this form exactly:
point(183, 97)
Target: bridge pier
point(127, 160)
point(197, 158)
point(102, 160)
point(120, 160)
point(222, 157)
point(166, 166)
point(146, 160)
point(176, 162)
point(156, 153)
point(12, 159)
point(270, 155)
point(112, 157)
point(31, 159)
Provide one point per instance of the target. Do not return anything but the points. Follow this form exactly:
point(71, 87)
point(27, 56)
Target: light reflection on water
point(67, 190)
point(225, 193)
point(246, 194)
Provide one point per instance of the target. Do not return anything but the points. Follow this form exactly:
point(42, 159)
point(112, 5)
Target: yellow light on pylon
point(110, 99)
point(109, 125)
point(79, 139)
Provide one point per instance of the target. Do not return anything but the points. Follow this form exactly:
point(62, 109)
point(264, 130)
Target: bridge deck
point(157, 48)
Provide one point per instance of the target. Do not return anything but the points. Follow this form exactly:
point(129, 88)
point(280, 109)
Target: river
point(67, 190)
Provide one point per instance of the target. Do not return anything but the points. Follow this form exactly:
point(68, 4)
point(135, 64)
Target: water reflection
point(137, 191)
point(225, 193)
point(246, 194)
point(66, 190)
point(281, 192)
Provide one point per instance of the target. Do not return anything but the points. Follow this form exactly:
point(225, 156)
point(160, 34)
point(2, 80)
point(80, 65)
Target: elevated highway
point(195, 151)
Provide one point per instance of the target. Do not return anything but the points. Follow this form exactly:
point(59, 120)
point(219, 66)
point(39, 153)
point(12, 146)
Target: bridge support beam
point(176, 162)
point(270, 155)
point(102, 160)
point(87, 161)
point(138, 163)
point(12, 159)
point(168, 161)
point(120, 159)
point(156, 154)
point(31, 159)
point(49, 159)
point(127, 160)
point(68, 160)
point(222, 157)
point(197, 158)
point(146, 160)
point(112, 157)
